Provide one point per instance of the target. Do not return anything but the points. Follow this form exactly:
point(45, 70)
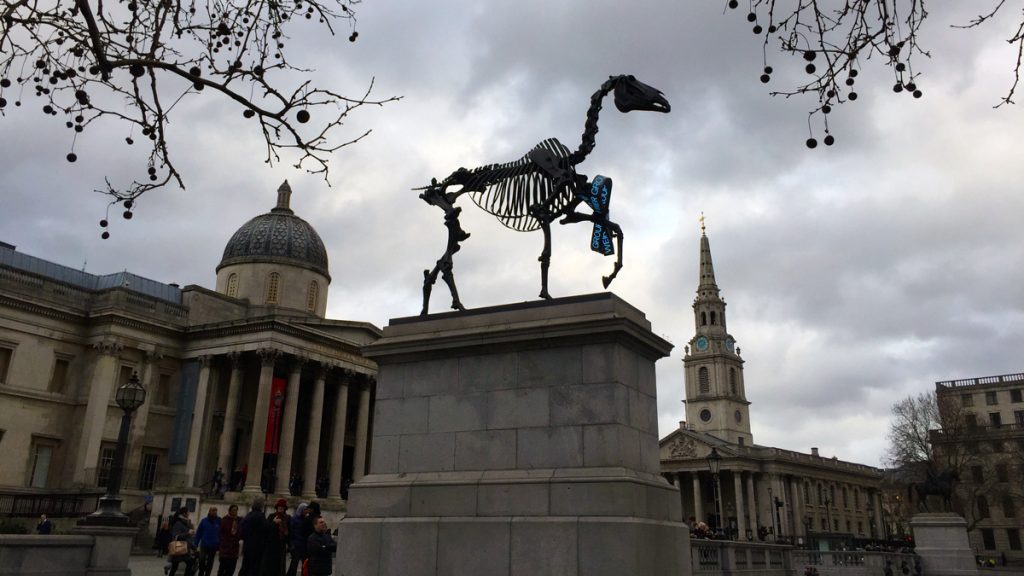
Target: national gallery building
point(250, 378)
point(763, 493)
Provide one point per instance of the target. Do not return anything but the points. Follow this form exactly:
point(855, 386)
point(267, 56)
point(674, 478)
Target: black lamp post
point(128, 397)
point(715, 466)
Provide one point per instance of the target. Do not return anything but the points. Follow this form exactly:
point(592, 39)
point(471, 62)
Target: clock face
point(705, 415)
point(702, 343)
point(730, 344)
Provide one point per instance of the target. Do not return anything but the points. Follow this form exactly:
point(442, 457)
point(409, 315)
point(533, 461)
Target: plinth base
point(941, 542)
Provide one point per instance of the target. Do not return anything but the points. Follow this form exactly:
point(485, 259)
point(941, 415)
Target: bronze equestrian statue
point(941, 484)
point(542, 186)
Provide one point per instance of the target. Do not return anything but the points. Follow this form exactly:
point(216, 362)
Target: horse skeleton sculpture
point(542, 186)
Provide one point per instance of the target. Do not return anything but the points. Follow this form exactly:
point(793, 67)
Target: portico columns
point(291, 408)
point(876, 504)
point(362, 430)
point(141, 416)
point(198, 415)
point(751, 504)
point(316, 416)
point(100, 395)
point(227, 435)
point(796, 505)
point(259, 421)
point(337, 453)
point(741, 518)
point(698, 504)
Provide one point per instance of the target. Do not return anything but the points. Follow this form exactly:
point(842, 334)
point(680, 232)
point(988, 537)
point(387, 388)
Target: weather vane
point(530, 193)
point(701, 221)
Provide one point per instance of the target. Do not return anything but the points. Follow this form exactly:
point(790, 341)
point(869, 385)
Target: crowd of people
point(274, 544)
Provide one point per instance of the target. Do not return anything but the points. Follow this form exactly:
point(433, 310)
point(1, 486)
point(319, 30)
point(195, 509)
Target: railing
point(747, 558)
point(853, 563)
point(984, 380)
point(29, 505)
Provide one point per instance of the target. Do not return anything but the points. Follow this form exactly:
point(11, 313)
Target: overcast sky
point(855, 275)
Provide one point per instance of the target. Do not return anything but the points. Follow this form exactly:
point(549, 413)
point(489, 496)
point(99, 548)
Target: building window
point(821, 496)
point(740, 440)
point(732, 381)
point(1009, 510)
point(849, 526)
point(1015, 395)
point(824, 525)
point(988, 539)
point(835, 525)
point(59, 377)
point(1018, 417)
point(147, 471)
point(704, 380)
point(703, 319)
point(714, 318)
point(990, 398)
point(5, 363)
point(832, 496)
point(995, 420)
point(42, 454)
point(1013, 535)
point(971, 420)
point(1002, 472)
point(162, 394)
point(807, 493)
point(977, 476)
point(273, 285)
point(860, 527)
point(705, 415)
point(967, 400)
point(982, 506)
point(103, 469)
point(233, 285)
point(846, 499)
point(311, 296)
point(856, 498)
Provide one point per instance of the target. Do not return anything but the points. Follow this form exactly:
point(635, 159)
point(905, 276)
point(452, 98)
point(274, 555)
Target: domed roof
point(277, 236)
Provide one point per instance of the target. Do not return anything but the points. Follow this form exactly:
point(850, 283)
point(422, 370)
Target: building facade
point(250, 378)
point(760, 492)
point(983, 424)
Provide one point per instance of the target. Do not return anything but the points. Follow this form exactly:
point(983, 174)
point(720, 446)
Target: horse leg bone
point(545, 260)
point(617, 232)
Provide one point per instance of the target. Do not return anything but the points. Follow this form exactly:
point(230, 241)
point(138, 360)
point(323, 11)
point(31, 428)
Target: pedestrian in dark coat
point(44, 526)
point(276, 541)
point(253, 533)
point(162, 539)
point(181, 529)
point(229, 537)
point(298, 543)
point(320, 548)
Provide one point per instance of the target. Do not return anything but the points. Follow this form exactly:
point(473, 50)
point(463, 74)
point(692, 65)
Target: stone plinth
point(941, 542)
point(516, 440)
point(111, 549)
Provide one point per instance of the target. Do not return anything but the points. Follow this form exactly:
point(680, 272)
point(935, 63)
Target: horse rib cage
point(509, 190)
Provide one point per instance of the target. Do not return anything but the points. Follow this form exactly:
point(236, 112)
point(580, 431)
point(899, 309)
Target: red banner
point(276, 409)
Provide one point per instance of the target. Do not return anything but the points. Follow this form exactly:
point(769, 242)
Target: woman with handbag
point(178, 550)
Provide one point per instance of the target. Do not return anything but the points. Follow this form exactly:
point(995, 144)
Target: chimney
point(814, 452)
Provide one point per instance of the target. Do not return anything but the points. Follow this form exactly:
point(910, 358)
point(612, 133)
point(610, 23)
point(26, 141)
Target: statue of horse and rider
point(935, 484)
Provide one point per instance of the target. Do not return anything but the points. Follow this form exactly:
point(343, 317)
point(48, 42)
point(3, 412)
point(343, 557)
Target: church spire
point(707, 288)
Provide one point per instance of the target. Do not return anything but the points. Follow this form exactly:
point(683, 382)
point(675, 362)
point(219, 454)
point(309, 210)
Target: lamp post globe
point(129, 397)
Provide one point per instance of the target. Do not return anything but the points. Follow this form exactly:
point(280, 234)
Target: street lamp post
point(715, 466)
point(129, 397)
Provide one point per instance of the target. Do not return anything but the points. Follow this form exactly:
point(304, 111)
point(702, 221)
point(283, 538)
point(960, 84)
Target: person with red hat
point(277, 541)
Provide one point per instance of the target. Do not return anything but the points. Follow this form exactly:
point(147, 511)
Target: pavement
point(149, 565)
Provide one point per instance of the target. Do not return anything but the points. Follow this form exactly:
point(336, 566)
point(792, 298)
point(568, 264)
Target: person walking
point(276, 540)
point(298, 542)
point(162, 539)
point(207, 539)
point(253, 532)
point(181, 529)
point(228, 547)
point(44, 526)
point(320, 548)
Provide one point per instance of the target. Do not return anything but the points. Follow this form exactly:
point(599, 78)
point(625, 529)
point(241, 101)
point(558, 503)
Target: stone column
point(337, 454)
point(876, 499)
point(101, 386)
point(779, 489)
point(752, 504)
point(362, 430)
point(141, 417)
point(227, 435)
point(796, 507)
point(195, 437)
point(766, 508)
point(316, 417)
point(741, 517)
point(291, 411)
point(698, 504)
point(258, 437)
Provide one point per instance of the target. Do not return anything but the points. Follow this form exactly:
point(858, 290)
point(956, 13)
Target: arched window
point(982, 507)
point(273, 285)
point(846, 498)
point(832, 494)
point(703, 319)
point(807, 492)
point(856, 498)
point(714, 319)
point(233, 285)
point(821, 496)
point(311, 296)
point(704, 380)
point(732, 381)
